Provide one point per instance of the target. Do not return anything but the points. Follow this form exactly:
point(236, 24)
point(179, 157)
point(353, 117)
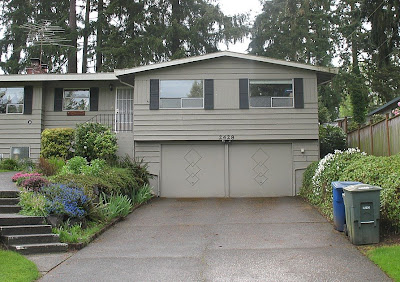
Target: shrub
point(32, 203)
point(34, 183)
point(66, 201)
point(9, 164)
point(116, 205)
point(57, 142)
point(96, 167)
point(50, 166)
point(23, 175)
point(94, 141)
point(143, 194)
point(331, 138)
point(138, 168)
point(74, 166)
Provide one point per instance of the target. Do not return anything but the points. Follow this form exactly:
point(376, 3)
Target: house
point(217, 125)
point(386, 108)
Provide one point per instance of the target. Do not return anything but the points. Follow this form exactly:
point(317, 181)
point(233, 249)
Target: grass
point(4, 170)
point(77, 234)
point(15, 267)
point(388, 259)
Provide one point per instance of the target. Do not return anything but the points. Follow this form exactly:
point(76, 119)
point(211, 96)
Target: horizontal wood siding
point(226, 118)
point(22, 130)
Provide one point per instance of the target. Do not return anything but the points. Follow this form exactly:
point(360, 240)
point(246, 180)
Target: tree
point(72, 57)
point(86, 33)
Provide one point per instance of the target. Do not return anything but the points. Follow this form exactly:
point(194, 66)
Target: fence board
point(379, 140)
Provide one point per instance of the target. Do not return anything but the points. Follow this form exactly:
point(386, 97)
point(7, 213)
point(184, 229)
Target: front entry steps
point(25, 234)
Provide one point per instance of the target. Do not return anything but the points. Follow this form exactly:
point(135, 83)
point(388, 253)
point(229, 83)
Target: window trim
point(75, 88)
point(293, 91)
point(16, 104)
point(181, 108)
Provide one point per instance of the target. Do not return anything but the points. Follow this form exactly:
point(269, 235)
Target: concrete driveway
point(278, 239)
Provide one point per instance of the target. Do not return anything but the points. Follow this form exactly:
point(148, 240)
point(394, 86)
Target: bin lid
point(342, 184)
point(362, 188)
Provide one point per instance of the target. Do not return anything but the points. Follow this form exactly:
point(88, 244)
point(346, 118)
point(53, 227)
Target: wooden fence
point(379, 139)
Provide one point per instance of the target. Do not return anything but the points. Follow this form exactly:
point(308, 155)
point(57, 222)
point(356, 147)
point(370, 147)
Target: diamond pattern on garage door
point(192, 158)
point(260, 157)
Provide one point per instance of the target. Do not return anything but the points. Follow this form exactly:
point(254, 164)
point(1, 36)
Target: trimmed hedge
point(352, 165)
point(57, 142)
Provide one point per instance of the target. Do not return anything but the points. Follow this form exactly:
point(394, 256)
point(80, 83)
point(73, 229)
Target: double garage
point(226, 170)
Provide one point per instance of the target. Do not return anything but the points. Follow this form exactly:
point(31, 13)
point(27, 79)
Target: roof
point(102, 76)
point(388, 106)
point(324, 73)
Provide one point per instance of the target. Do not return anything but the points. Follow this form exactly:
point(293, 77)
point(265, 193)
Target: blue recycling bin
point(339, 216)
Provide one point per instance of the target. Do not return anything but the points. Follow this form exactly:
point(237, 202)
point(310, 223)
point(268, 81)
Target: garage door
point(226, 170)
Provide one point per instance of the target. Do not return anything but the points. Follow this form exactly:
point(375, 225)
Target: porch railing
point(117, 122)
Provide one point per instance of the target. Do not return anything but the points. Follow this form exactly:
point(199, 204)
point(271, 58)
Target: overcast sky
point(231, 7)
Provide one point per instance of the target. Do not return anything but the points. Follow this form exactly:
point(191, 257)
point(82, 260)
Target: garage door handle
point(368, 222)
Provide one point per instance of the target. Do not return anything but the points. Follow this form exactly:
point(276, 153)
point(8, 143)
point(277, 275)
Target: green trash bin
point(362, 205)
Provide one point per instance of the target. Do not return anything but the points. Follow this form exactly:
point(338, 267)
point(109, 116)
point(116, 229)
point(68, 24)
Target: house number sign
point(227, 138)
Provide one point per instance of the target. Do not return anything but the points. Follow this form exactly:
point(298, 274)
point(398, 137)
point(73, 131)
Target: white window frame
point(181, 108)
point(69, 89)
point(293, 91)
point(23, 107)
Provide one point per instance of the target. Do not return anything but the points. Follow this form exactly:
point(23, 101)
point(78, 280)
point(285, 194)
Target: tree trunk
point(176, 21)
point(72, 58)
point(99, 37)
point(86, 38)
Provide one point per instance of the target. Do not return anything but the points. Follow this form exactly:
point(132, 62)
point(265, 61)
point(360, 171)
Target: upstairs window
point(179, 94)
point(76, 100)
point(12, 100)
point(271, 93)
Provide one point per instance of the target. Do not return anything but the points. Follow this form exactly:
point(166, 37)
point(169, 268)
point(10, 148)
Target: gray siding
point(150, 152)
point(226, 118)
point(17, 131)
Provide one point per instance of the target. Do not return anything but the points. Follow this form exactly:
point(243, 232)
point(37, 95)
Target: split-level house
point(218, 125)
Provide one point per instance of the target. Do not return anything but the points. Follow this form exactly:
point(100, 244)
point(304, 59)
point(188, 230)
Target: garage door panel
point(192, 171)
point(260, 170)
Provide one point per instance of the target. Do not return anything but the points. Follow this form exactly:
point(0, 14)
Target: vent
point(19, 153)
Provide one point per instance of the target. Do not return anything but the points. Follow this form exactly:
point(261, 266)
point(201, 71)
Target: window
point(176, 94)
point(12, 100)
point(271, 93)
point(76, 100)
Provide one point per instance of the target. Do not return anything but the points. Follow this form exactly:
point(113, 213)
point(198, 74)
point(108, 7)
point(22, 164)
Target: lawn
point(15, 267)
point(388, 259)
point(4, 170)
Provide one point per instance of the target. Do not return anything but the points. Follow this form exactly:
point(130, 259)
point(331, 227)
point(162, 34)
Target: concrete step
point(25, 229)
point(12, 220)
point(9, 194)
point(27, 249)
point(30, 239)
point(9, 201)
point(9, 209)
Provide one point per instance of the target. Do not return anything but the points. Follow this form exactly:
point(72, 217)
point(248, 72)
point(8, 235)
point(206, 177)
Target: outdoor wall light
point(111, 86)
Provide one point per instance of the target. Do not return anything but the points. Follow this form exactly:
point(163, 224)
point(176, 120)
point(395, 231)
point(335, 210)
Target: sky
point(231, 7)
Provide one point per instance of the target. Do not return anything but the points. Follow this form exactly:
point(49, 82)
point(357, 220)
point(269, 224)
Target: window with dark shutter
point(28, 99)
point(243, 93)
point(298, 93)
point(58, 100)
point(94, 99)
point(209, 94)
point(154, 94)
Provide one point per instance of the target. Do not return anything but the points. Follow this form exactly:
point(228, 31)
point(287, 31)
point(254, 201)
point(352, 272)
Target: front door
point(124, 110)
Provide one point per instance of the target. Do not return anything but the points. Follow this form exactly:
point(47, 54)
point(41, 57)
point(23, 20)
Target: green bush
point(74, 166)
point(32, 203)
point(9, 164)
point(331, 138)
point(94, 141)
point(95, 168)
point(352, 165)
point(116, 205)
point(57, 142)
point(143, 194)
point(51, 166)
point(138, 168)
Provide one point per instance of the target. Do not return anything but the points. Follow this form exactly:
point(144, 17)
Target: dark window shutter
point(298, 93)
point(209, 94)
point(28, 99)
point(243, 93)
point(154, 94)
point(94, 99)
point(58, 99)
